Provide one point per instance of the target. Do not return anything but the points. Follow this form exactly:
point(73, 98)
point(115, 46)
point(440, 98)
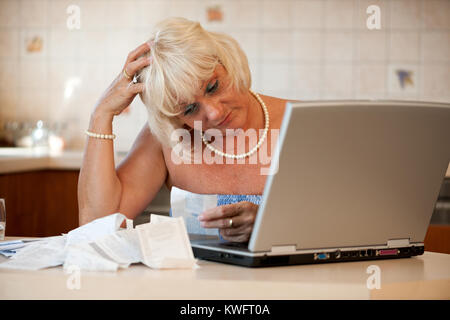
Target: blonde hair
point(183, 56)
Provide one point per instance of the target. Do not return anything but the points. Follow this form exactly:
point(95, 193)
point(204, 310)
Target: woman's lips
point(224, 121)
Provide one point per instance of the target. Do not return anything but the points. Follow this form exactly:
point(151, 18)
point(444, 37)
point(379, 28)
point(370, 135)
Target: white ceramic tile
point(121, 14)
point(33, 74)
point(435, 46)
point(9, 44)
point(362, 15)
point(337, 81)
point(58, 15)
point(8, 104)
point(340, 14)
point(371, 46)
point(404, 46)
point(436, 14)
point(306, 81)
point(93, 45)
point(370, 80)
point(93, 14)
point(60, 73)
point(120, 43)
point(436, 82)
point(276, 45)
point(92, 77)
point(275, 77)
point(405, 14)
point(307, 14)
point(243, 14)
point(151, 12)
point(27, 39)
point(10, 13)
point(63, 43)
point(275, 14)
point(34, 103)
point(255, 73)
point(249, 41)
point(307, 45)
point(34, 13)
point(9, 75)
point(189, 9)
point(338, 46)
point(394, 85)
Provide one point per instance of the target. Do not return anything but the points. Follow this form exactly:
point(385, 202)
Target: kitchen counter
point(29, 159)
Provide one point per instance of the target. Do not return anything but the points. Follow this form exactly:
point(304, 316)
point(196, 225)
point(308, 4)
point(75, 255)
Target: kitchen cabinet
point(40, 203)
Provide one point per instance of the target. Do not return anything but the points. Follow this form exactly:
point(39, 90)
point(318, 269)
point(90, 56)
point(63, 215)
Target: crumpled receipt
point(189, 206)
point(102, 245)
point(165, 244)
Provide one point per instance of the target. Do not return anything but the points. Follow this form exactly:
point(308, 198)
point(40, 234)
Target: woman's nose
point(214, 112)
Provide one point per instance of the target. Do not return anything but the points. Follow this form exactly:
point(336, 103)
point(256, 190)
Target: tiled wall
point(312, 49)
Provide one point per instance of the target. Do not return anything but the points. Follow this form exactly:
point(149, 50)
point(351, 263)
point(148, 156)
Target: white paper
point(122, 247)
point(86, 258)
point(38, 255)
point(164, 243)
point(95, 229)
point(189, 206)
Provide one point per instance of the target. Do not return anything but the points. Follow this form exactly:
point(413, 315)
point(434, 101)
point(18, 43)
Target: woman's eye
point(190, 108)
point(212, 87)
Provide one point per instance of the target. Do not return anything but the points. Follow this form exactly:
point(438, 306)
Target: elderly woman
point(186, 76)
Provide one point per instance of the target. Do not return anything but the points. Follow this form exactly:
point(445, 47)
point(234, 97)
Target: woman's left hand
point(235, 221)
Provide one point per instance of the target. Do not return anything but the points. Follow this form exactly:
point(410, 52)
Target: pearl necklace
point(260, 142)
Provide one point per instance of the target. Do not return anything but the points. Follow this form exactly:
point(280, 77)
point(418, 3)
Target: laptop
point(353, 180)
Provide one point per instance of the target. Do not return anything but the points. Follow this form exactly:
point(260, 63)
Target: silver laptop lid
point(354, 173)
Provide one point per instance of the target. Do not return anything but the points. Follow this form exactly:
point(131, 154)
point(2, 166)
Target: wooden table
point(422, 277)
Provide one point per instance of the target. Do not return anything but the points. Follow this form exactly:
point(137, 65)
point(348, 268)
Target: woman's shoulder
point(276, 106)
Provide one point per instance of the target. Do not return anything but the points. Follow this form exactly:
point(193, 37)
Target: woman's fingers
point(133, 67)
point(133, 55)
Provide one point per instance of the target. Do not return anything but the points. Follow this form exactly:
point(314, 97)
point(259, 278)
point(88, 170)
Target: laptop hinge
point(396, 243)
point(283, 249)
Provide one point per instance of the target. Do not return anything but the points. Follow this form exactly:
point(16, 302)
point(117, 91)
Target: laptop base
point(306, 258)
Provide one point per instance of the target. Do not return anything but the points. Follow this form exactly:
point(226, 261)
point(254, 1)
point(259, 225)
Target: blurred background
point(315, 49)
point(57, 57)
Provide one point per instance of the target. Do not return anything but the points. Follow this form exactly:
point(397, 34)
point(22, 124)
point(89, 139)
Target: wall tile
point(275, 15)
point(338, 82)
point(409, 91)
point(33, 74)
point(64, 43)
point(9, 44)
point(436, 14)
point(276, 46)
point(436, 82)
point(307, 45)
point(306, 81)
point(362, 15)
point(243, 14)
point(405, 14)
point(34, 13)
point(10, 13)
point(307, 14)
point(371, 46)
point(150, 12)
point(435, 46)
point(338, 46)
point(340, 14)
point(404, 46)
point(370, 81)
point(93, 14)
point(275, 77)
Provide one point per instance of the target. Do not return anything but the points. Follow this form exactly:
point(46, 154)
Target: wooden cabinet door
point(40, 203)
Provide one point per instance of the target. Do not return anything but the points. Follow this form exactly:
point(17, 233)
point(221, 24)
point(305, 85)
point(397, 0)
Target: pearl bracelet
point(101, 136)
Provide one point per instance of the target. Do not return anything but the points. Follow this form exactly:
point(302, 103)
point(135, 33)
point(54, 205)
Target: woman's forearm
point(99, 188)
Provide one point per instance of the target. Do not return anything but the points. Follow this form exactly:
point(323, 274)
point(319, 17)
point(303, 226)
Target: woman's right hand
point(122, 90)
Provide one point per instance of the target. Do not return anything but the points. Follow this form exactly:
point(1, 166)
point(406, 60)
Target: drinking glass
point(2, 219)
